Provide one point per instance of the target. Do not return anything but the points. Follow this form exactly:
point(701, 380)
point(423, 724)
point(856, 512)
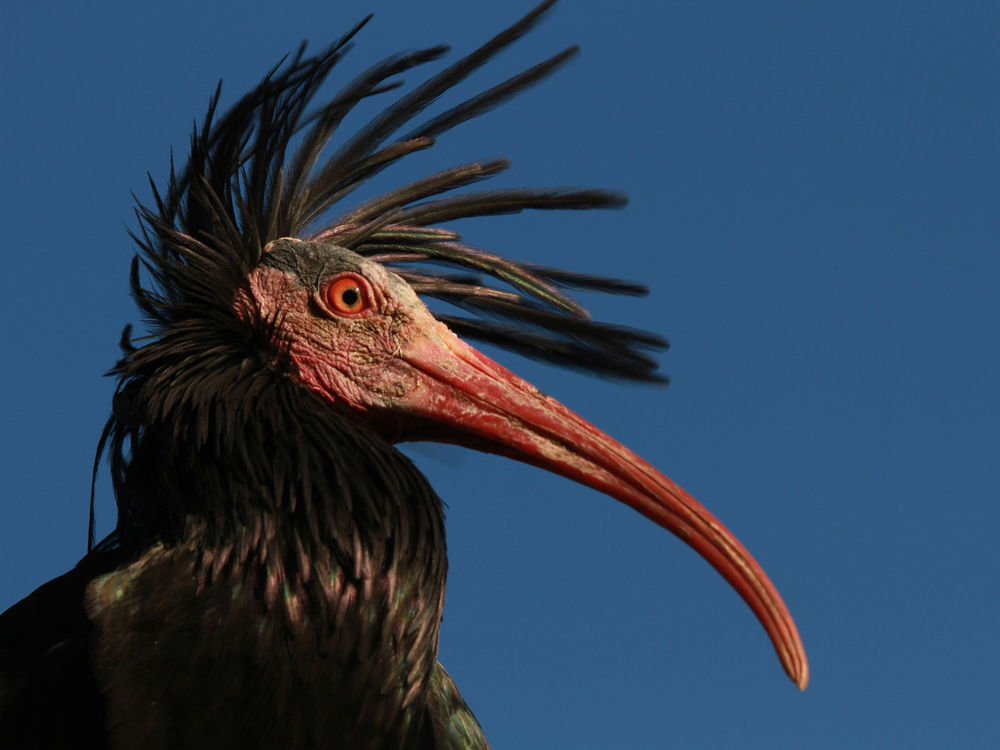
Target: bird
point(276, 575)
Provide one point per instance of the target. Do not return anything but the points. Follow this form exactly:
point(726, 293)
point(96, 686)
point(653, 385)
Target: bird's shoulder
point(449, 723)
point(48, 694)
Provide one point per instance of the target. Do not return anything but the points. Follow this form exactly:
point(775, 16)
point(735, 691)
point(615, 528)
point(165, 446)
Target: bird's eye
point(347, 294)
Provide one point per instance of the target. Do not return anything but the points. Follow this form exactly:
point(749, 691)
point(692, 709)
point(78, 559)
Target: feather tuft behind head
point(264, 170)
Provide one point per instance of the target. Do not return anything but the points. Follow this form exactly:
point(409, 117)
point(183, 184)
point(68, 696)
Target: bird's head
point(359, 337)
point(340, 323)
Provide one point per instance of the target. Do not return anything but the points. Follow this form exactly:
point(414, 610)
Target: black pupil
point(350, 297)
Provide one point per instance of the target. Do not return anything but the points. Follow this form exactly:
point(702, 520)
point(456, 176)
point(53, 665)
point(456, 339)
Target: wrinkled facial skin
point(379, 353)
point(351, 359)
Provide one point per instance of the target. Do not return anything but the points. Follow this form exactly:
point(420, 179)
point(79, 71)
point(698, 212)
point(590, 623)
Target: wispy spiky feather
point(259, 172)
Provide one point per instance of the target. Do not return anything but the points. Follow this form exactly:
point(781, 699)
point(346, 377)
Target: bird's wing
point(448, 723)
point(48, 695)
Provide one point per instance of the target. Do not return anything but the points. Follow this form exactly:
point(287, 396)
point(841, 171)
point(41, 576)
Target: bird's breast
point(202, 646)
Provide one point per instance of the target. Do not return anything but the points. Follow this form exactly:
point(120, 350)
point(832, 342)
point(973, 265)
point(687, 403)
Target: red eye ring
point(347, 294)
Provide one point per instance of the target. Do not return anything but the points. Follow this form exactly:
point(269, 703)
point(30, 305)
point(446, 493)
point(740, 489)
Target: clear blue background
point(814, 203)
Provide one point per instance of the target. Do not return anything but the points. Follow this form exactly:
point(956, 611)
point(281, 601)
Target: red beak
point(484, 406)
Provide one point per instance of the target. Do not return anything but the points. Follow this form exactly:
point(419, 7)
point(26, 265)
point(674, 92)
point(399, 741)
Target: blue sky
point(814, 202)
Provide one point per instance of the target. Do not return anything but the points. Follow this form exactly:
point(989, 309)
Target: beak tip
point(799, 672)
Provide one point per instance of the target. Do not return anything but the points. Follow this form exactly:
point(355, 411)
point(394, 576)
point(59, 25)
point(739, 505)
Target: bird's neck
point(292, 543)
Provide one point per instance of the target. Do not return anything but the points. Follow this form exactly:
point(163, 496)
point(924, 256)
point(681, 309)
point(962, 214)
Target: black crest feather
point(263, 171)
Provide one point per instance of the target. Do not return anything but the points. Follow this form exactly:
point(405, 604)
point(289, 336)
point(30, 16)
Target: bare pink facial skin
point(405, 374)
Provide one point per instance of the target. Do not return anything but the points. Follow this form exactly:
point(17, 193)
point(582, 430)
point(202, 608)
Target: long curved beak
point(482, 405)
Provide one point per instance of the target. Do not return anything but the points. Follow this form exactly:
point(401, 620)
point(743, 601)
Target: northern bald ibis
point(277, 573)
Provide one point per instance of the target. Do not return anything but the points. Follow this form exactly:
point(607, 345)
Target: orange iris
point(346, 295)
